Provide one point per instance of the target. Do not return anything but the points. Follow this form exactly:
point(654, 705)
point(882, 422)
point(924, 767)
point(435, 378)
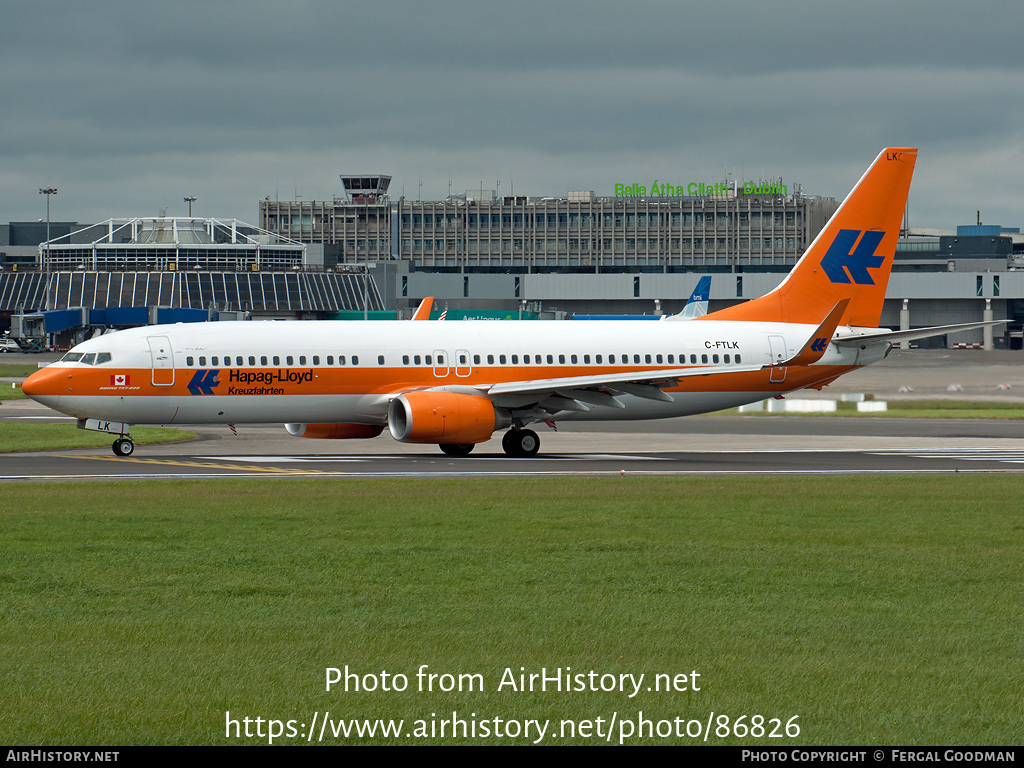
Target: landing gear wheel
point(123, 446)
point(529, 443)
point(521, 443)
point(456, 449)
point(508, 442)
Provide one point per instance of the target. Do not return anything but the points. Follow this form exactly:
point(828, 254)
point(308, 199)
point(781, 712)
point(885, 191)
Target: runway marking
point(297, 459)
point(437, 457)
point(1009, 455)
point(609, 457)
point(204, 465)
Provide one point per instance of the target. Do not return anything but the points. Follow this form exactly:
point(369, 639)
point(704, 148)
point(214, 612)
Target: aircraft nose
point(45, 383)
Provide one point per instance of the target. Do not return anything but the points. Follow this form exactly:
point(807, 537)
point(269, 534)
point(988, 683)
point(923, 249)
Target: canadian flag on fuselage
point(851, 258)
point(119, 380)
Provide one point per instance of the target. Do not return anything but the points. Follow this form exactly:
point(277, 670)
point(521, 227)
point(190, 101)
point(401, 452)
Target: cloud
point(127, 108)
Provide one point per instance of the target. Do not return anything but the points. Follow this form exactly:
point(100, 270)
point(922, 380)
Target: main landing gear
point(521, 443)
point(123, 446)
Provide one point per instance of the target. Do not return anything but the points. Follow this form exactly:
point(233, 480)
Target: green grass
point(17, 436)
point(880, 611)
point(17, 369)
point(7, 392)
point(943, 409)
point(12, 370)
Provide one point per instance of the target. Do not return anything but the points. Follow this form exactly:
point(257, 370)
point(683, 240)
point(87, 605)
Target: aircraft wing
point(578, 393)
point(641, 383)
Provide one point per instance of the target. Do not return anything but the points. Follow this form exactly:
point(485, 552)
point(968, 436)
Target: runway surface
point(80, 467)
point(702, 445)
point(722, 445)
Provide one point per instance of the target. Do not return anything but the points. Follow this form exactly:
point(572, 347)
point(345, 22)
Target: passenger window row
point(439, 360)
point(99, 358)
point(562, 359)
point(240, 361)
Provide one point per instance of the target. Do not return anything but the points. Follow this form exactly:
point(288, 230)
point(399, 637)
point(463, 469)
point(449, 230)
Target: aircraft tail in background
point(423, 310)
point(697, 306)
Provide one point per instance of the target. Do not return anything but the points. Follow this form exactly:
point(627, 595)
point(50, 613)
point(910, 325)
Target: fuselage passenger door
point(441, 363)
point(777, 344)
point(163, 360)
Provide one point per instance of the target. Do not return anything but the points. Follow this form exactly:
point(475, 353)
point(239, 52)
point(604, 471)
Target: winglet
point(423, 310)
point(819, 341)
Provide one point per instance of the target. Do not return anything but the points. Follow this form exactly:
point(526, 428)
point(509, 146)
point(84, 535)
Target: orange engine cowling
point(443, 417)
point(335, 431)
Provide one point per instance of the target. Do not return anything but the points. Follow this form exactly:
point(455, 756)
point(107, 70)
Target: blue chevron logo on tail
point(203, 382)
point(841, 258)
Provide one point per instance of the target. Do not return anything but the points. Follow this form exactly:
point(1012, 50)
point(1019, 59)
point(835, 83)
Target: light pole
point(47, 191)
point(190, 199)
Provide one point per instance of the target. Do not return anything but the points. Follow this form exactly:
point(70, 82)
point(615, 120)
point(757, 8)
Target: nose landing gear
point(123, 446)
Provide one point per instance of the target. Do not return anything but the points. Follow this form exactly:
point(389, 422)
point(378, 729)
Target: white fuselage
point(343, 371)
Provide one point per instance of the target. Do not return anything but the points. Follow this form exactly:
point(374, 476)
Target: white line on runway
point(517, 473)
point(1013, 456)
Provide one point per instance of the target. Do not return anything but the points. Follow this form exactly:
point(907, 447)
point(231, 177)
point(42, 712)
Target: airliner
point(455, 384)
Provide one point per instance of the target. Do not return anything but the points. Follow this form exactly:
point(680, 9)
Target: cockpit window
point(102, 357)
point(88, 359)
point(71, 357)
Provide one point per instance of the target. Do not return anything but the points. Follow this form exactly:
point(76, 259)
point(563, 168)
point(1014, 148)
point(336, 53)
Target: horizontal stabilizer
point(916, 333)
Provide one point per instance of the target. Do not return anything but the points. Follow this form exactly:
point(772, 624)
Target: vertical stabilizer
point(851, 258)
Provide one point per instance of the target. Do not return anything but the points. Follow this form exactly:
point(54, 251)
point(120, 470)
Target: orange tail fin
point(851, 258)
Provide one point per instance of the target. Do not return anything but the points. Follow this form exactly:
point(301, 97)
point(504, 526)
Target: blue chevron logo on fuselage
point(203, 382)
point(841, 257)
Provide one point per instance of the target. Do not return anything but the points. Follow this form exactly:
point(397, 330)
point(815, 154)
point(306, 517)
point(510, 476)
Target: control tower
point(366, 190)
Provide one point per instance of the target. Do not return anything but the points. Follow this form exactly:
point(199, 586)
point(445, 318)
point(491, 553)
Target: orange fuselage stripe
point(385, 380)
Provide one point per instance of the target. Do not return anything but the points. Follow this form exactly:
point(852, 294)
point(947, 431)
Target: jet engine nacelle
point(443, 418)
point(335, 431)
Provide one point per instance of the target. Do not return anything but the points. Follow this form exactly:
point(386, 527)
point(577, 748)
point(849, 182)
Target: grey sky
point(127, 107)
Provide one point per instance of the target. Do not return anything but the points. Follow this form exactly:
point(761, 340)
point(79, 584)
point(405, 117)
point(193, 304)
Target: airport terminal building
point(134, 271)
point(634, 253)
point(581, 233)
point(642, 253)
